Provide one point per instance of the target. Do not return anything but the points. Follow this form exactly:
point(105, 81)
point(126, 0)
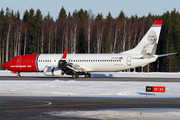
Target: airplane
point(84, 64)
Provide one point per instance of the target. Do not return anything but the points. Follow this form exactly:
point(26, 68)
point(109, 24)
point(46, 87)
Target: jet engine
point(62, 63)
point(53, 71)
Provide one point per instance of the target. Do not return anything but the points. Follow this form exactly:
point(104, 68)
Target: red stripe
point(158, 22)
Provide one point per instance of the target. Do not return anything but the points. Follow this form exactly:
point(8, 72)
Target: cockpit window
point(10, 61)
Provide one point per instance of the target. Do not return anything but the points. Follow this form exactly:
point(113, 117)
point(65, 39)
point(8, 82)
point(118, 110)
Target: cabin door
point(129, 61)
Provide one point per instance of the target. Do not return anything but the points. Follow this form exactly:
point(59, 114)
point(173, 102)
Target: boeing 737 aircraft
point(83, 64)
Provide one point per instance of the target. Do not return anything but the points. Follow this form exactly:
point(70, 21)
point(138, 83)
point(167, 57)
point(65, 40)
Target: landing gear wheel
point(87, 75)
point(18, 75)
point(75, 76)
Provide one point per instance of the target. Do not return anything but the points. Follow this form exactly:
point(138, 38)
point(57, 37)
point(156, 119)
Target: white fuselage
point(95, 62)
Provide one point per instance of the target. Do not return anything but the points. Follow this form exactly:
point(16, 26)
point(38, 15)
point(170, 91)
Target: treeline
point(82, 32)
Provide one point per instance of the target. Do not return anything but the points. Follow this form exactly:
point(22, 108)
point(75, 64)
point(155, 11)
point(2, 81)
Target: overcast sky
point(129, 7)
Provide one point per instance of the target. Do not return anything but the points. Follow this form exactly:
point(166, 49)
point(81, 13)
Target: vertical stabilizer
point(148, 43)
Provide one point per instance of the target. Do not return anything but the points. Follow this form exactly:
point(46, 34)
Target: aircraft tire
point(87, 75)
point(18, 75)
point(75, 76)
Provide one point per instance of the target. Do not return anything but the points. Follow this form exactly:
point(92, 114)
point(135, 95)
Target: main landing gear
point(18, 75)
point(76, 75)
point(88, 75)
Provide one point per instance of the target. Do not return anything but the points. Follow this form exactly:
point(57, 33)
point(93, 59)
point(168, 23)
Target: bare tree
point(0, 41)
point(49, 40)
point(75, 33)
point(25, 40)
point(7, 42)
point(55, 35)
point(116, 34)
point(88, 28)
point(42, 37)
point(130, 33)
point(66, 36)
point(100, 31)
point(19, 39)
point(124, 36)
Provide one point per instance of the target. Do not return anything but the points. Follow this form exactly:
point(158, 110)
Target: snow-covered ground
point(169, 114)
point(73, 88)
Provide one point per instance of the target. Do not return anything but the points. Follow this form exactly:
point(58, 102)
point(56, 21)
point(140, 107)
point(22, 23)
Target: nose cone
point(5, 65)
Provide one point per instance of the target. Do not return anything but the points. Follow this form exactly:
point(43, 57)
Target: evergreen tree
point(38, 20)
point(99, 17)
point(13, 16)
point(82, 14)
point(69, 15)
point(175, 39)
point(48, 17)
point(32, 31)
point(62, 13)
point(121, 15)
point(75, 15)
point(26, 16)
point(172, 42)
point(7, 16)
point(2, 13)
point(18, 15)
point(132, 18)
point(109, 17)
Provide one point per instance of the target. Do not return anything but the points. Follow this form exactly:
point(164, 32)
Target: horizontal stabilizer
point(167, 54)
point(147, 56)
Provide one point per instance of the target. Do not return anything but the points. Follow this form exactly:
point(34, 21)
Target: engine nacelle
point(53, 71)
point(62, 63)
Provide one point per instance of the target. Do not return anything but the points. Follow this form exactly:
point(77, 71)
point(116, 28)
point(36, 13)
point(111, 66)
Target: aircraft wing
point(63, 64)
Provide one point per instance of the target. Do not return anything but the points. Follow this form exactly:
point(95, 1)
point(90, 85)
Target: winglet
point(64, 55)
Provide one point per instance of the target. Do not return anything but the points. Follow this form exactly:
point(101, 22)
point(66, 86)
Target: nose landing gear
point(18, 75)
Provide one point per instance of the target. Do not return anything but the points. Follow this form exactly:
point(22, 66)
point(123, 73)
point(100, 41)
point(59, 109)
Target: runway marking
point(48, 103)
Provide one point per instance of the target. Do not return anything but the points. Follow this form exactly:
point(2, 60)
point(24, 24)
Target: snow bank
point(120, 114)
point(85, 88)
point(88, 88)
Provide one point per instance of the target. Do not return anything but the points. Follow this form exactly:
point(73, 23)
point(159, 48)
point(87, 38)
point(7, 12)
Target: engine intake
point(53, 71)
point(62, 63)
